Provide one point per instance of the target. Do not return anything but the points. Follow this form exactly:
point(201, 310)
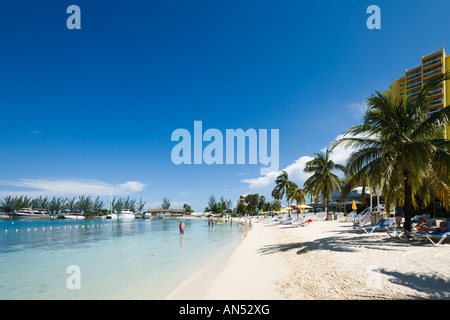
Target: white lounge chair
point(302, 223)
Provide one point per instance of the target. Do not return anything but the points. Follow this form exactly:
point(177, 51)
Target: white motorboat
point(30, 213)
point(68, 214)
point(126, 214)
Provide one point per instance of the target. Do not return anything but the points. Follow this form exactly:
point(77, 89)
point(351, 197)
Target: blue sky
point(86, 109)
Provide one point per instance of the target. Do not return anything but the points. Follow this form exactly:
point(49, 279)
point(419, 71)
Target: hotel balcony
point(431, 61)
point(436, 91)
point(413, 84)
point(431, 72)
point(413, 93)
point(437, 101)
point(432, 111)
point(413, 74)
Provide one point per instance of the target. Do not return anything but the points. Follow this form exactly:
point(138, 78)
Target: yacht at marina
point(126, 214)
point(30, 213)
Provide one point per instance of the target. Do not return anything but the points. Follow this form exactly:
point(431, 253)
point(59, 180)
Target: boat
point(28, 213)
point(126, 214)
point(69, 214)
point(111, 215)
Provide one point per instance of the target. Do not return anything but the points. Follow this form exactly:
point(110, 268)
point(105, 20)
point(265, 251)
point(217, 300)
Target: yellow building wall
point(395, 88)
point(447, 92)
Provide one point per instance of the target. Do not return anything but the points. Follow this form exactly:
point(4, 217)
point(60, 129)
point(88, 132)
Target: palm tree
point(400, 144)
point(433, 188)
point(282, 184)
point(276, 194)
point(323, 181)
point(297, 194)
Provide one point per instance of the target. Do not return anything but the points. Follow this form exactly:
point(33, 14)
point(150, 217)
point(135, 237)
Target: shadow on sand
point(434, 286)
point(341, 242)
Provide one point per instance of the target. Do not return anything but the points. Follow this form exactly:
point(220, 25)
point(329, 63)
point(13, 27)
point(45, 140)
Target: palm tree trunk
point(407, 210)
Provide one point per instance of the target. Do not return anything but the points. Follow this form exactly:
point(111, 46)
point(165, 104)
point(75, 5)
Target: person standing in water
point(182, 226)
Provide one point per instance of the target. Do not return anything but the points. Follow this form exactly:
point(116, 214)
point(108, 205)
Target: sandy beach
point(324, 260)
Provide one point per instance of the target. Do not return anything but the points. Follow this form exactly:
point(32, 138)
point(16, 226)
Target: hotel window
point(432, 111)
point(414, 92)
point(436, 91)
point(432, 71)
point(414, 74)
point(414, 84)
point(434, 60)
point(437, 100)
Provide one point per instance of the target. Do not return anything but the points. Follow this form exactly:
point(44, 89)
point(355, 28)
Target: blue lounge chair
point(382, 224)
point(435, 237)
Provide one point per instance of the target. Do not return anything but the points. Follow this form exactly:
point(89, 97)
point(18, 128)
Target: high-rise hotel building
point(415, 78)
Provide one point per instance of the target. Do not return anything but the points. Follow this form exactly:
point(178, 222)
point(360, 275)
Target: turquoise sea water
point(136, 259)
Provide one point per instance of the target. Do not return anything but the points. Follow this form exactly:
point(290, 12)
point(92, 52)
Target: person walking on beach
point(182, 226)
point(398, 215)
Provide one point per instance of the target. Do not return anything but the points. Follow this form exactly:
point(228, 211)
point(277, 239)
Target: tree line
point(84, 203)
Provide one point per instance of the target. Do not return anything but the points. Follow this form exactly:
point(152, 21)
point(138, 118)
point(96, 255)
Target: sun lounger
point(435, 237)
point(394, 233)
point(286, 221)
point(302, 223)
point(382, 224)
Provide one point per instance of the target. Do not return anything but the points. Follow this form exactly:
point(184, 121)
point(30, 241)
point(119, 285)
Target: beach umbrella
point(286, 208)
point(304, 206)
point(354, 207)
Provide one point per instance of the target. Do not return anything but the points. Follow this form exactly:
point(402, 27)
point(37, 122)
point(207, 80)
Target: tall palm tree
point(291, 190)
point(399, 144)
point(282, 184)
point(433, 188)
point(323, 181)
point(276, 194)
point(297, 194)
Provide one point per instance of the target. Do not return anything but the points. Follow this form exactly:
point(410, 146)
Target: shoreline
point(241, 274)
point(325, 260)
point(199, 281)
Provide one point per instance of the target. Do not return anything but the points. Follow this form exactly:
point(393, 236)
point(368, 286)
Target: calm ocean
point(136, 259)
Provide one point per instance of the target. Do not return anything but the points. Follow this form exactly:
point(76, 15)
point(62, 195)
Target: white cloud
point(66, 187)
point(265, 184)
point(340, 153)
point(357, 110)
